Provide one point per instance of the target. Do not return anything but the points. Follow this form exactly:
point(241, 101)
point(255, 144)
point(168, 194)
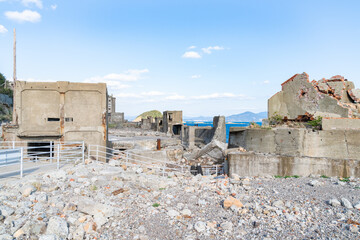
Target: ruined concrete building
point(172, 122)
point(300, 149)
point(114, 117)
point(334, 97)
point(59, 111)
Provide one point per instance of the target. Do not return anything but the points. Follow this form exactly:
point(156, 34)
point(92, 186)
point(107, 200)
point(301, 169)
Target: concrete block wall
point(257, 164)
point(337, 144)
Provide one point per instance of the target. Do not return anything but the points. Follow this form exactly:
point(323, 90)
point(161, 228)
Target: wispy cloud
point(152, 93)
point(3, 29)
point(53, 7)
point(195, 76)
point(127, 95)
point(217, 96)
point(266, 82)
point(175, 97)
point(29, 3)
point(209, 50)
point(192, 47)
point(130, 75)
point(191, 54)
point(24, 16)
point(116, 81)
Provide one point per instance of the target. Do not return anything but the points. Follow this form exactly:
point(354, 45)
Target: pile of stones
point(103, 201)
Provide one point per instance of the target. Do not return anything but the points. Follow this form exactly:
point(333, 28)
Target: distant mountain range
point(242, 117)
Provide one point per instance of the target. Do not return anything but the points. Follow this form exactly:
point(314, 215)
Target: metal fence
point(26, 155)
point(19, 156)
point(130, 158)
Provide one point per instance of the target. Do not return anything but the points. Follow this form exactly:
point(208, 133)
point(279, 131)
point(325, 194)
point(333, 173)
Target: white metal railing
point(39, 154)
point(129, 158)
point(36, 154)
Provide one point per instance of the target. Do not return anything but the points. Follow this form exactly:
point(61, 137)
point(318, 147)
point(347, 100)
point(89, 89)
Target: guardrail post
point(21, 161)
point(83, 152)
point(97, 152)
point(51, 152)
point(58, 156)
point(163, 172)
point(89, 149)
point(13, 144)
point(216, 167)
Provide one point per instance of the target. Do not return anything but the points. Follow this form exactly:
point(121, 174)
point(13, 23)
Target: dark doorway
point(177, 129)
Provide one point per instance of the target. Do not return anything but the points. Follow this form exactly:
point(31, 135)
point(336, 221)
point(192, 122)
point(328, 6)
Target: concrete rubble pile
point(105, 202)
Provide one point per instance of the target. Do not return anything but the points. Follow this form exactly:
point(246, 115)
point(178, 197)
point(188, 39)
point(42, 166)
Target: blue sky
point(203, 57)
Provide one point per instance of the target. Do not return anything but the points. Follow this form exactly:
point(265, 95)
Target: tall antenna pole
point(14, 75)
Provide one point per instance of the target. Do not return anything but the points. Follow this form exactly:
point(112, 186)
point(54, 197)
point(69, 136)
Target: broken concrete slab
point(215, 149)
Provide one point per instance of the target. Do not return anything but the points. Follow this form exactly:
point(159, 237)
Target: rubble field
point(110, 201)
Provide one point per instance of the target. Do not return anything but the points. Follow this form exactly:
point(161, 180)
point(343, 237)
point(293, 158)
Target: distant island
point(241, 117)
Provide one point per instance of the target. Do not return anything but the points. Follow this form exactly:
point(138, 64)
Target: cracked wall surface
point(334, 97)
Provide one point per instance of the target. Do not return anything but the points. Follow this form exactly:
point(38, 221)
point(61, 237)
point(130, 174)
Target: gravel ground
point(114, 202)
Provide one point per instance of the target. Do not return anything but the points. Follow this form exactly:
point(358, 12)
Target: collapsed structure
point(301, 149)
point(58, 111)
point(335, 97)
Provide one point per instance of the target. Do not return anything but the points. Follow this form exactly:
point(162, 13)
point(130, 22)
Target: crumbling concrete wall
point(199, 136)
point(299, 142)
point(64, 111)
point(146, 123)
point(334, 97)
point(172, 122)
point(257, 164)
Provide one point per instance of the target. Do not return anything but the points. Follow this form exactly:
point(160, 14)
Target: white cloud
point(191, 54)
point(217, 96)
point(127, 95)
point(28, 3)
point(54, 7)
point(24, 16)
point(115, 80)
point(208, 50)
point(175, 97)
point(3, 29)
point(192, 47)
point(130, 75)
point(152, 93)
point(195, 76)
point(266, 82)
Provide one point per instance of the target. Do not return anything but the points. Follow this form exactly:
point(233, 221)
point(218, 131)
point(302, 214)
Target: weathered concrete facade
point(65, 111)
point(334, 97)
point(172, 122)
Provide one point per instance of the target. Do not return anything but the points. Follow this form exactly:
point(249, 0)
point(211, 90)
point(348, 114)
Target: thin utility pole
point(14, 75)
point(14, 118)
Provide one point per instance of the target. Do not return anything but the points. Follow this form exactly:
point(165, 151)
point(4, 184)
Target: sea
point(228, 125)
